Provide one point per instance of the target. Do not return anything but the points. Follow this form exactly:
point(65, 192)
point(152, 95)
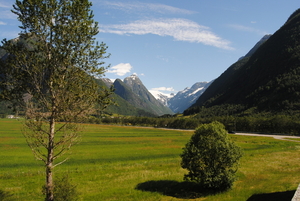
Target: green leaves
point(56, 54)
point(211, 157)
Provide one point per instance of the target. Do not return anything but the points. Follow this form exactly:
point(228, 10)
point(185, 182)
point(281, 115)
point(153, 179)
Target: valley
point(130, 163)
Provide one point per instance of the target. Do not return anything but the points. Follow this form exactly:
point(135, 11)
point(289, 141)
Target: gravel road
point(279, 137)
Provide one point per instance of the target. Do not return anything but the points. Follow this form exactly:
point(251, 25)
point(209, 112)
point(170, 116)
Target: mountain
point(127, 94)
point(266, 81)
point(133, 91)
point(122, 107)
point(185, 98)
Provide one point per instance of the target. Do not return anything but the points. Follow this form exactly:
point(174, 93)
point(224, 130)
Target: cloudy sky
point(172, 44)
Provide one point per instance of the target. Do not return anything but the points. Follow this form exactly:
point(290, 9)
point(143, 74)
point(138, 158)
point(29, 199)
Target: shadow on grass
point(5, 196)
point(278, 196)
point(183, 190)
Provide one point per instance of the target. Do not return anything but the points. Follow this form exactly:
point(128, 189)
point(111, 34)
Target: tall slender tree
point(50, 71)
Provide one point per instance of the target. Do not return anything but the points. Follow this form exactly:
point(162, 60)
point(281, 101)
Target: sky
point(172, 44)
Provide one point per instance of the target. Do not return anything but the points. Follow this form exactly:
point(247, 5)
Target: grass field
point(130, 163)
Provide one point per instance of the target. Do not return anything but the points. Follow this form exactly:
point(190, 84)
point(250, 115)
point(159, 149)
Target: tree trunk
point(49, 164)
point(49, 183)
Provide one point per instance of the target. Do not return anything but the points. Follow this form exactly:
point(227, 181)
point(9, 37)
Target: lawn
point(131, 163)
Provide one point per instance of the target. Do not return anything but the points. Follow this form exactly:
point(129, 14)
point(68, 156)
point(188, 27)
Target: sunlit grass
point(110, 162)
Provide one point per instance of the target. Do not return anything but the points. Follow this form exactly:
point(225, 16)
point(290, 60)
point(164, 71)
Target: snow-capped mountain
point(183, 99)
point(161, 103)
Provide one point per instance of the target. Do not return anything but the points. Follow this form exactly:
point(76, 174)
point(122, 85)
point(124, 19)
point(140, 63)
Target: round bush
point(210, 157)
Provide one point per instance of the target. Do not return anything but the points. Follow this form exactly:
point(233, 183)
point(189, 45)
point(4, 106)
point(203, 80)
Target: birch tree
point(50, 70)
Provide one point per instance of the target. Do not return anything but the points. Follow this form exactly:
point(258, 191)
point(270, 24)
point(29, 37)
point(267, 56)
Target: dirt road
point(279, 137)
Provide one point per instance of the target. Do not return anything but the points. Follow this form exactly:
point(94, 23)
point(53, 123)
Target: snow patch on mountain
point(162, 97)
point(183, 99)
point(196, 91)
point(133, 76)
point(158, 94)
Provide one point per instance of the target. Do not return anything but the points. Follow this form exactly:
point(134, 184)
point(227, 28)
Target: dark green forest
point(278, 124)
point(266, 82)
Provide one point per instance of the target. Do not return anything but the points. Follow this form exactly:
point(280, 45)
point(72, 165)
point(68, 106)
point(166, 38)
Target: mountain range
point(132, 87)
point(132, 90)
point(185, 98)
point(177, 103)
point(266, 79)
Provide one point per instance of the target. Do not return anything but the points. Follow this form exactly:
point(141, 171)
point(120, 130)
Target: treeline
point(247, 121)
point(281, 124)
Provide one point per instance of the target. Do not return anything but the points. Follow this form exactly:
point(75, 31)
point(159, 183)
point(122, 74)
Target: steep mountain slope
point(267, 81)
point(127, 94)
point(133, 91)
point(136, 85)
point(122, 106)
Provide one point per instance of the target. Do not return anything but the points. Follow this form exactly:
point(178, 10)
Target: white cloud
point(120, 69)
point(143, 7)
point(2, 23)
point(247, 29)
point(163, 89)
point(179, 29)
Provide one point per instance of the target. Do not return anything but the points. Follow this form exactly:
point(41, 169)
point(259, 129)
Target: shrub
point(64, 190)
point(211, 157)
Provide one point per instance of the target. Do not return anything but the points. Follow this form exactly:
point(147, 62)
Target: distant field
point(128, 163)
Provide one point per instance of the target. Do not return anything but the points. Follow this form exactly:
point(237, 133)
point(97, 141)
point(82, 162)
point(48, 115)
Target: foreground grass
point(127, 163)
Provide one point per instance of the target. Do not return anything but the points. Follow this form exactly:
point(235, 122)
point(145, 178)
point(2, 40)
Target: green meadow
point(135, 163)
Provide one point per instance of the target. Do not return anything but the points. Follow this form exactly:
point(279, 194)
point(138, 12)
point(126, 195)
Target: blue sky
point(172, 44)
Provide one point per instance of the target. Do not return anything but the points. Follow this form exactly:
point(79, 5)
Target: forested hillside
point(268, 81)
